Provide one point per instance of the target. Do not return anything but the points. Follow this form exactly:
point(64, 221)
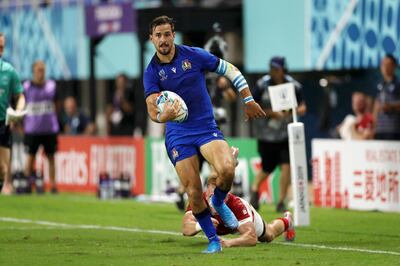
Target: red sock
point(285, 222)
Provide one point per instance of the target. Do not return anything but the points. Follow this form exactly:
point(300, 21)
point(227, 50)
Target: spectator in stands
point(387, 102)
point(361, 124)
point(271, 133)
point(40, 125)
point(120, 113)
point(75, 122)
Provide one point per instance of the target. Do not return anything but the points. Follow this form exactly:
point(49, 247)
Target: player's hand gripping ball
point(169, 96)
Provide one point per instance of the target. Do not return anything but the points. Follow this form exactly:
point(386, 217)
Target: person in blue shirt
point(181, 69)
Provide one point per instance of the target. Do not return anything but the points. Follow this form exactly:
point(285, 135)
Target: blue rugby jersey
point(185, 76)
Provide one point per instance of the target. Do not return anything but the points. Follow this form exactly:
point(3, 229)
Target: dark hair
point(161, 20)
point(278, 62)
point(392, 58)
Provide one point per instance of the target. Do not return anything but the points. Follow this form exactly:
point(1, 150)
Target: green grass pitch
point(86, 231)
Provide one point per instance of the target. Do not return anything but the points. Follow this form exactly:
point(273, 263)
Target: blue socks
point(223, 210)
point(219, 197)
point(204, 219)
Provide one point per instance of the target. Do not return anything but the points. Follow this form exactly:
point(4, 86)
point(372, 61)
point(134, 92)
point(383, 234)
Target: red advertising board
point(80, 161)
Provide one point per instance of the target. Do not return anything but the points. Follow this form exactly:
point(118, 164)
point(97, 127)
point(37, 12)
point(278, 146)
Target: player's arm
point(247, 238)
point(20, 101)
point(252, 109)
point(190, 226)
point(152, 91)
point(18, 91)
point(170, 112)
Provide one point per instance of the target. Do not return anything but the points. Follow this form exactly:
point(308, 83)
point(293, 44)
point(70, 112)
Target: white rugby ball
point(169, 96)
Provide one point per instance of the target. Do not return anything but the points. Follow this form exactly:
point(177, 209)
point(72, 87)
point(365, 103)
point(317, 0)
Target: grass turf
point(41, 244)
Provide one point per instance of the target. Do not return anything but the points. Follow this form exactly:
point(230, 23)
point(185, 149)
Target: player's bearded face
point(163, 39)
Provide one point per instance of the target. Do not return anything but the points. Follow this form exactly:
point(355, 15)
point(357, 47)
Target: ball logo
point(186, 65)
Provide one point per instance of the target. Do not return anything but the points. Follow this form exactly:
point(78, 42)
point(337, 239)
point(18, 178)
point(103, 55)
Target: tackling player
point(252, 228)
point(181, 69)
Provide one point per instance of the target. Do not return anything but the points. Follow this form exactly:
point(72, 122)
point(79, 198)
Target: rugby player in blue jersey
point(181, 69)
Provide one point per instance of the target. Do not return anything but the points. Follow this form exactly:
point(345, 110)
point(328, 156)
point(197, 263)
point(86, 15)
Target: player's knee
point(227, 171)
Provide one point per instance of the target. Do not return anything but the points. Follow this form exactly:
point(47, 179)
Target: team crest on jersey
point(163, 75)
point(186, 65)
point(175, 153)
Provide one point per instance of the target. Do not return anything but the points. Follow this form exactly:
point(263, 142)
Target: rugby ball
point(169, 96)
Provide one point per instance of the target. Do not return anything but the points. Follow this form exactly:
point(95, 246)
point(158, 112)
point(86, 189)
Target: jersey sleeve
point(207, 60)
point(16, 86)
point(150, 83)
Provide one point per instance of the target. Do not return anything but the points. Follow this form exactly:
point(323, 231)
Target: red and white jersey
point(243, 211)
point(365, 122)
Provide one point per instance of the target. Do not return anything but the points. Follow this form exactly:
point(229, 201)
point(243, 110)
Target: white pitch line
point(88, 226)
point(340, 248)
point(161, 232)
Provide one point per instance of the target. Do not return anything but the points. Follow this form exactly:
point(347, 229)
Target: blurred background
point(96, 51)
